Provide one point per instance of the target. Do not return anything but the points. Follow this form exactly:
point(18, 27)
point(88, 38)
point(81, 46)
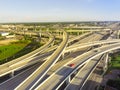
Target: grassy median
point(115, 61)
point(16, 49)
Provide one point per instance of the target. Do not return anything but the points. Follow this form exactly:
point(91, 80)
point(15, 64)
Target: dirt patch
point(7, 41)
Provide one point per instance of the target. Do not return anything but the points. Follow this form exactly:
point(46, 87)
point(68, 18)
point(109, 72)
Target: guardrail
point(85, 74)
point(109, 48)
point(78, 37)
point(35, 77)
point(27, 56)
point(83, 45)
point(92, 65)
point(67, 49)
point(106, 49)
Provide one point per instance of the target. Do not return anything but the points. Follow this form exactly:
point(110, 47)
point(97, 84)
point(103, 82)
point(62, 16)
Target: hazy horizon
point(59, 10)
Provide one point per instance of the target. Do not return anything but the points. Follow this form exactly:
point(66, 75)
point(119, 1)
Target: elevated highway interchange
point(70, 48)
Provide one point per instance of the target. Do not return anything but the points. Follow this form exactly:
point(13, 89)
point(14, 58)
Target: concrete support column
point(40, 33)
point(118, 34)
point(59, 33)
point(69, 43)
point(40, 36)
point(68, 80)
point(70, 52)
point(12, 74)
point(30, 34)
point(109, 60)
point(52, 43)
point(47, 29)
point(62, 55)
point(106, 60)
point(76, 72)
point(24, 33)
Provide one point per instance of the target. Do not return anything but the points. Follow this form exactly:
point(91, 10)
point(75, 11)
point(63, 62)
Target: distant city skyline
point(59, 10)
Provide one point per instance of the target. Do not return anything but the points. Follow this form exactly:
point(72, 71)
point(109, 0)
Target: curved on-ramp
point(37, 75)
point(60, 79)
point(16, 63)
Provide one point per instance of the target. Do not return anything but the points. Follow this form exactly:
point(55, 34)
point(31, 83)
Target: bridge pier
point(52, 44)
point(12, 74)
point(39, 34)
point(105, 63)
point(70, 52)
point(118, 34)
point(69, 44)
point(59, 33)
point(30, 35)
point(63, 54)
point(68, 80)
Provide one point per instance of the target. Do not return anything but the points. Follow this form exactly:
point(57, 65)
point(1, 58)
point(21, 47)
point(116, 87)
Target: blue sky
point(58, 10)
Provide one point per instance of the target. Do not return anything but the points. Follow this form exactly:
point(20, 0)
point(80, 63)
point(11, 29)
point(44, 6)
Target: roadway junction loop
point(32, 81)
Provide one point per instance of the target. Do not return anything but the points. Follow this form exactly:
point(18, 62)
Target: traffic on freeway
point(66, 65)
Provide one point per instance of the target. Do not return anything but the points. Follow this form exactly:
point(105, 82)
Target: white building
point(4, 33)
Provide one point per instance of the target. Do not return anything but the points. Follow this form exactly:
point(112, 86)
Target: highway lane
point(55, 67)
point(18, 63)
point(89, 39)
point(20, 77)
point(82, 49)
point(13, 82)
point(95, 36)
point(79, 80)
point(61, 75)
point(79, 37)
point(89, 44)
point(43, 69)
point(57, 77)
point(17, 77)
point(10, 66)
point(64, 62)
point(16, 60)
point(83, 46)
point(95, 79)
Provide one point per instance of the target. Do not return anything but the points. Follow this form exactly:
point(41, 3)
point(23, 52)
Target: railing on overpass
point(15, 62)
point(35, 77)
point(100, 52)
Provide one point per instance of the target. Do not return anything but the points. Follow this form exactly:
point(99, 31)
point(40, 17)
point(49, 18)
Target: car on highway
point(71, 65)
point(96, 50)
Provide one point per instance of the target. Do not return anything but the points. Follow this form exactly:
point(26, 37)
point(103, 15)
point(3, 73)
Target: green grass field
point(7, 51)
point(115, 61)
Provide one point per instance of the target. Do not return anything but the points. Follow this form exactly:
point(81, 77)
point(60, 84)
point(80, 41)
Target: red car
point(72, 65)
